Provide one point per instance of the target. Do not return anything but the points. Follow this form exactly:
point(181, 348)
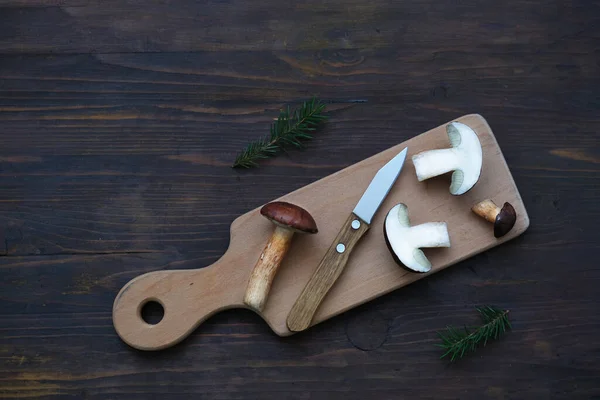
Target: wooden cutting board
point(189, 297)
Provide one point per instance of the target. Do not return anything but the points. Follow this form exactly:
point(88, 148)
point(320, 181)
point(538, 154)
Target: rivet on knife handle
point(327, 273)
point(336, 257)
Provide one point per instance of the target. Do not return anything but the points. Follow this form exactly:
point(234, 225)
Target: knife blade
point(335, 259)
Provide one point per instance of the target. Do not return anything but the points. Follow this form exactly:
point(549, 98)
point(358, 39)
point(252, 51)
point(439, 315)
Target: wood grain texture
point(326, 274)
point(190, 297)
point(118, 26)
point(119, 120)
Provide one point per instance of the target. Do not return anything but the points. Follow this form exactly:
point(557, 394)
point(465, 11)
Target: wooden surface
point(190, 297)
point(119, 120)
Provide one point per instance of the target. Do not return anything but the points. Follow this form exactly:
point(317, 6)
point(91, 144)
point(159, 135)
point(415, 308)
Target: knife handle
point(328, 271)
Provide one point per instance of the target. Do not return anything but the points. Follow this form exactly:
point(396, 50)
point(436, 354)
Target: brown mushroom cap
point(289, 215)
point(505, 220)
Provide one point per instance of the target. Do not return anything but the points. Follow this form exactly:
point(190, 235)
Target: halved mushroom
point(405, 241)
point(503, 218)
point(464, 158)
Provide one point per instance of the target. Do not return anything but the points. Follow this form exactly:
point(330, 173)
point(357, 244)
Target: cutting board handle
point(188, 298)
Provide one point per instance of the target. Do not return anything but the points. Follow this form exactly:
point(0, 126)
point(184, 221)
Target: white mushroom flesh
point(464, 158)
point(406, 241)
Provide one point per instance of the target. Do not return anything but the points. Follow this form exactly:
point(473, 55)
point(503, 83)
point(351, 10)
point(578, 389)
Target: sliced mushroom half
point(464, 157)
point(405, 241)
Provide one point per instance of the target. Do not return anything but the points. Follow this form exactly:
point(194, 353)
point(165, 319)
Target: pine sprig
point(460, 342)
point(289, 130)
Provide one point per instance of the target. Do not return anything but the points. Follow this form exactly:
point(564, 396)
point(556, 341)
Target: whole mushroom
point(464, 157)
point(503, 218)
point(288, 219)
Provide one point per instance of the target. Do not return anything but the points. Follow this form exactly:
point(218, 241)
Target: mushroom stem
point(429, 234)
point(266, 267)
point(435, 162)
point(487, 209)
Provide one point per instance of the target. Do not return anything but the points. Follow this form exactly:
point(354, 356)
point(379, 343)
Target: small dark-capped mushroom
point(288, 219)
point(503, 218)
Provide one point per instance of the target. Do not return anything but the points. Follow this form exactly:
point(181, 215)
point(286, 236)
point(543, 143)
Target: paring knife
point(336, 257)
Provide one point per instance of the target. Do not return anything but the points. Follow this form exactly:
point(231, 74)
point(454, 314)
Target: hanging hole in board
point(152, 312)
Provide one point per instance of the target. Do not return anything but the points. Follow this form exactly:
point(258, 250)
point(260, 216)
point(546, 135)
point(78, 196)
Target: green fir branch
point(460, 342)
point(289, 130)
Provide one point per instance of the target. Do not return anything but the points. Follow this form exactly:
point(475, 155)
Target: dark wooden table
point(119, 123)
